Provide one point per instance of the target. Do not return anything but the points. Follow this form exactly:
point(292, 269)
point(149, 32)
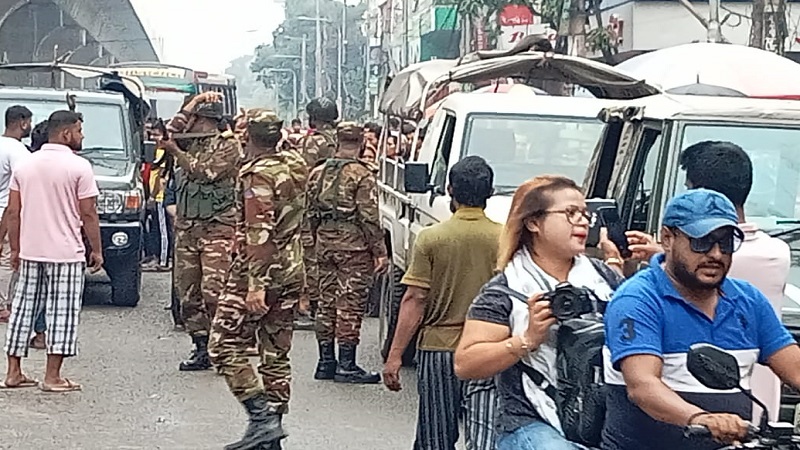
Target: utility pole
point(339, 85)
point(714, 31)
point(318, 57)
point(303, 69)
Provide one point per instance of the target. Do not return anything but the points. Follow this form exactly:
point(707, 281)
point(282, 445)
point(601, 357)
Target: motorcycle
point(719, 370)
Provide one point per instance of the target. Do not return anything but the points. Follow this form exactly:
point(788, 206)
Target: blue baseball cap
point(698, 212)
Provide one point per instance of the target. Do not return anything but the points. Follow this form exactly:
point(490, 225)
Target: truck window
point(443, 147)
point(776, 166)
point(103, 126)
point(520, 147)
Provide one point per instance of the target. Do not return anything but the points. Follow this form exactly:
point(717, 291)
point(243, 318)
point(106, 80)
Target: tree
point(285, 50)
point(250, 91)
point(569, 17)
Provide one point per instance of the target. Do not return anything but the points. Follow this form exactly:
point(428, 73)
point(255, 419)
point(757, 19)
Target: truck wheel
point(126, 282)
point(393, 292)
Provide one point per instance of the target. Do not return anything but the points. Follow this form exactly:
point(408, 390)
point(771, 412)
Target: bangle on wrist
point(524, 346)
point(695, 416)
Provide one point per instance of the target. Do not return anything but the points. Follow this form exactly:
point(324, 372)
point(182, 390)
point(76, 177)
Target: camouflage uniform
point(271, 190)
point(343, 215)
point(204, 226)
point(316, 148)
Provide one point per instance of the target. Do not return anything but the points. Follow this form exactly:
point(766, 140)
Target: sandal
point(25, 383)
point(68, 387)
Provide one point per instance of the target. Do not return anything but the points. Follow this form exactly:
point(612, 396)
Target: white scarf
point(526, 278)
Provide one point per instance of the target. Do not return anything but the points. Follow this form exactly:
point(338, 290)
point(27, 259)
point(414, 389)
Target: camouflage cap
point(349, 132)
point(264, 123)
point(210, 110)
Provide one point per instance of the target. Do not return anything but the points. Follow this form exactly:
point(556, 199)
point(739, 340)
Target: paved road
point(134, 398)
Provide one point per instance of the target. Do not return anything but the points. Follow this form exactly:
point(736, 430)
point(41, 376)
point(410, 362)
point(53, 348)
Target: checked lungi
point(56, 288)
point(444, 399)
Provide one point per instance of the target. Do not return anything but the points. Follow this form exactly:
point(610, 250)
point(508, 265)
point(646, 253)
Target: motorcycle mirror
point(713, 367)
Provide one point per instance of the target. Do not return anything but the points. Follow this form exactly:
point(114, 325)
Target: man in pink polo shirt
point(53, 195)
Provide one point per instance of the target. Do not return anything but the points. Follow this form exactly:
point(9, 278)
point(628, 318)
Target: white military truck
point(521, 136)
point(637, 164)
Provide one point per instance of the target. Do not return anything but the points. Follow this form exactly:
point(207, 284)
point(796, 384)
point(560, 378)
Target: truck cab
point(113, 143)
point(637, 164)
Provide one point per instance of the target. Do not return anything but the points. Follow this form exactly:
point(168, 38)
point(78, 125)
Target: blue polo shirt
point(648, 316)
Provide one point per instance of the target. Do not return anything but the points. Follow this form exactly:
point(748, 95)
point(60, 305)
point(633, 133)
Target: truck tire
point(126, 282)
point(392, 296)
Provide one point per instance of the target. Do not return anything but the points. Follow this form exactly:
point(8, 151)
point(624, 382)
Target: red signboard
point(512, 15)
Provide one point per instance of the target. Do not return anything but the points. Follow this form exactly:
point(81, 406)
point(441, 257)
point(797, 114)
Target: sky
point(207, 34)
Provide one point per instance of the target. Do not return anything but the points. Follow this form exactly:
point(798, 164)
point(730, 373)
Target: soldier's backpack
point(326, 196)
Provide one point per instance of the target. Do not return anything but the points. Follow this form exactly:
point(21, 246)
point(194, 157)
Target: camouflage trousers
point(232, 333)
point(345, 280)
point(202, 261)
point(312, 276)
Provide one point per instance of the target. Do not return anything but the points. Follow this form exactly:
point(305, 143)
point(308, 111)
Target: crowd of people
point(269, 229)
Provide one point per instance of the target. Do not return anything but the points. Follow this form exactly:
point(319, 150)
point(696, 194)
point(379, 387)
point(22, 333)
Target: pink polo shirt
point(51, 182)
point(763, 261)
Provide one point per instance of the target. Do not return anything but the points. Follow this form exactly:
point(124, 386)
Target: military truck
point(636, 164)
point(521, 136)
point(113, 112)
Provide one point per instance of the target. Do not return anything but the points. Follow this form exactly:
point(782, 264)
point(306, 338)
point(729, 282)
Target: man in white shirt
point(762, 260)
point(12, 151)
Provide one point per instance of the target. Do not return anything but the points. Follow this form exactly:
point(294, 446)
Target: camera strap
point(535, 376)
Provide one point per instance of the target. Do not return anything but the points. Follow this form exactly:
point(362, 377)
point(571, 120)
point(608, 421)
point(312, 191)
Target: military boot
point(326, 366)
point(264, 428)
point(199, 359)
point(348, 371)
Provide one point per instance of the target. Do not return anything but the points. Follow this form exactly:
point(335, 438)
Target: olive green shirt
point(453, 260)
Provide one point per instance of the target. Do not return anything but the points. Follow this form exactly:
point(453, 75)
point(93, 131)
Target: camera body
point(569, 302)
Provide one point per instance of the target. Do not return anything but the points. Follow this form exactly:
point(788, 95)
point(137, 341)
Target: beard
point(453, 207)
point(688, 279)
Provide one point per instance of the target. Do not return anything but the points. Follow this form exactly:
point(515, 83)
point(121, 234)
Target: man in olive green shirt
point(450, 263)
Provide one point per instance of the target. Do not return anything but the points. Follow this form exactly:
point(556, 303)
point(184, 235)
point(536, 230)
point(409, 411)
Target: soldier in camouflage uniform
point(265, 283)
point(317, 147)
point(343, 215)
point(205, 224)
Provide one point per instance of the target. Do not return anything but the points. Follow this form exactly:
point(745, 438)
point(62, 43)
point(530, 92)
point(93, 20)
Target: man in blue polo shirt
point(685, 298)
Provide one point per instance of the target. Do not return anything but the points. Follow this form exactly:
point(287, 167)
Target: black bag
point(581, 396)
point(581, 393)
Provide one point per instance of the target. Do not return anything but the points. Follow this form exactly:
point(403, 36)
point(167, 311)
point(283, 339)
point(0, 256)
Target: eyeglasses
point(729, 240)
point(574, 214)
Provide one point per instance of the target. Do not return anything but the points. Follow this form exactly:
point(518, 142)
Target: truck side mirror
point(149, 155)
point(416, 178)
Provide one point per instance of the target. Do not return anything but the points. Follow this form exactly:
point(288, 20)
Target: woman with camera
point(542, 246)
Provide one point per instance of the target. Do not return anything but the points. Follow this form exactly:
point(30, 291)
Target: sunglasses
point(729, 240)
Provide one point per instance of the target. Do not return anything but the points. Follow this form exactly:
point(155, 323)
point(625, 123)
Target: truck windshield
point(103, 127)
point(773, 203)
point(519, 147)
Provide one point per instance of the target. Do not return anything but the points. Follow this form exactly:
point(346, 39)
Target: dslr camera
point(569, 302)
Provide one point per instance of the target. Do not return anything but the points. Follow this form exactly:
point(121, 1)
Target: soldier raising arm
point(222, 159)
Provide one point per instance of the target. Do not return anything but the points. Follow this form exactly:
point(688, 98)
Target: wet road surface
point(134, 398)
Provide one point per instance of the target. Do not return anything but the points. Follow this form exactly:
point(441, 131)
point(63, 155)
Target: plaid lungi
point(55, 287)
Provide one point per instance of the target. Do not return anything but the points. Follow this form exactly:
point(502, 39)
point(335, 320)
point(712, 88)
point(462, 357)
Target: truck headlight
point(119, 202)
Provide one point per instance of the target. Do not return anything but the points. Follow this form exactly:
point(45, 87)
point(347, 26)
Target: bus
point(168, 86)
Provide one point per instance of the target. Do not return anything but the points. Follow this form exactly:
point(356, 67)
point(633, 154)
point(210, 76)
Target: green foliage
point(288, 39)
